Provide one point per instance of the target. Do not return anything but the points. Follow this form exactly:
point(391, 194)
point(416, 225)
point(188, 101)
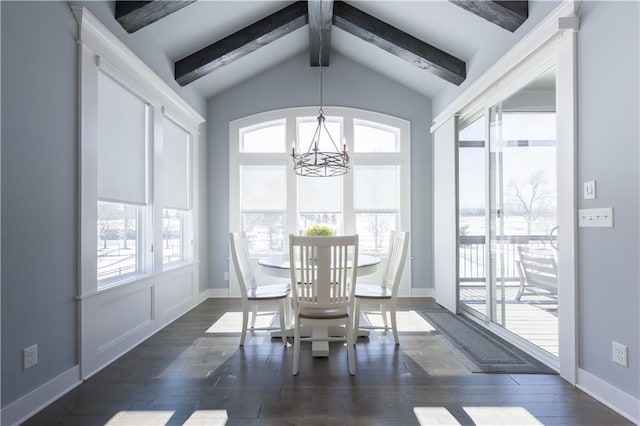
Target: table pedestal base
point(319, 348)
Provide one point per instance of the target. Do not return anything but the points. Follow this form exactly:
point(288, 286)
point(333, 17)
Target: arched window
point(268, 201)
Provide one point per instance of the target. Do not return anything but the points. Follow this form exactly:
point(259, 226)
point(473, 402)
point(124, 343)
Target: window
point(174, 235)
point(137, 172)
point(122, 178)
point(320, 202)
point(176, 193)
point(265, 137)
point(118, 240)
point(263, 207)
point(268, 201)
point(376, 205)
point(374, 137)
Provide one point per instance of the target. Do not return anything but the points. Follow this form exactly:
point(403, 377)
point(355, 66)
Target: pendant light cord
point(320, 61)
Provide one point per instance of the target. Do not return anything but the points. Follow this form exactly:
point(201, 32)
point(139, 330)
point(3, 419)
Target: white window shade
point(176, 182)
point(319, 195)
point(122, 143)
point(376, 187)
point(263, 187)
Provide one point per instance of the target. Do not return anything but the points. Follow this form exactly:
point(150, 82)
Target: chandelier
point(314, 162)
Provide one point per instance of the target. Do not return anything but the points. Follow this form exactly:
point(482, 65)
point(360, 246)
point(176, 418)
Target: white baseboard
point(31, 403)
point(619, 401)
point(218, 292)
point(25, 407)
point(422, 292)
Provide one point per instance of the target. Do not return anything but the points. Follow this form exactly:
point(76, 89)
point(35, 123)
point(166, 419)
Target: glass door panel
point(523, 213)
point(472, 284)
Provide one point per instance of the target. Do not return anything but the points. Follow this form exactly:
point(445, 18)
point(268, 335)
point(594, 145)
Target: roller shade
point(122, 143)
point(176, 187)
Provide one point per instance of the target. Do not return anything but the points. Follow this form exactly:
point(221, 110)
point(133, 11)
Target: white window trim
point(116, 318)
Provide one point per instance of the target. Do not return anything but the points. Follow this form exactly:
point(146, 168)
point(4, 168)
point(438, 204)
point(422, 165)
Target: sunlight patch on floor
point(434, 416)
point(208, 417)
point(148, 417)
point(231, 322)
point(408, 321)
point(501, 416)
point(162, 417)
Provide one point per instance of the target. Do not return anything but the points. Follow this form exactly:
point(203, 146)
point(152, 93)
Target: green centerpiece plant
point(319, 231)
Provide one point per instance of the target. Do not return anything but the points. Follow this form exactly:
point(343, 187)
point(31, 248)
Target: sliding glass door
point(508, 214)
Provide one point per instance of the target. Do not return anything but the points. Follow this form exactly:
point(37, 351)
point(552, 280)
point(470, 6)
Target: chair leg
point(394, 323)
point(356, 319)
point(282, 309)
point(383, 312)
point(350, 345)
point(296, 347)
point(245, 320)
point(254, 312)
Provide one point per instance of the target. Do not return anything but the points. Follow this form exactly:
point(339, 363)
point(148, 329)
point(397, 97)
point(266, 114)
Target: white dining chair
point(257, 298)
point(323, 281)
point(384, 295)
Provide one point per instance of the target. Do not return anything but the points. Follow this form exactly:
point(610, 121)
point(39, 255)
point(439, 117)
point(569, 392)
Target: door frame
point(552, 42)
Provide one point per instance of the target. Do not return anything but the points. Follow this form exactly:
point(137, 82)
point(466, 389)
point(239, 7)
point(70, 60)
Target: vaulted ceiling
point(424, 45)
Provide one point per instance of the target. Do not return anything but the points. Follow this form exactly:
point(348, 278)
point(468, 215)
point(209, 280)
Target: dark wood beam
point(399, 43)
point(320, 23)
point(506, 14)
point(134, 15)
point(241, 43)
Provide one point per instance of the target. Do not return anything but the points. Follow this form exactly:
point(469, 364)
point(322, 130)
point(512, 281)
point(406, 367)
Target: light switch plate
point(596, 218)
point(590, 190)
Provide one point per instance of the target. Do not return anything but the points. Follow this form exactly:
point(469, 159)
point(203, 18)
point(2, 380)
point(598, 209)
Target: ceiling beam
point(134, 15)
point(399, 43)
point(320, 23)
point(241, 43)
point(506, 14)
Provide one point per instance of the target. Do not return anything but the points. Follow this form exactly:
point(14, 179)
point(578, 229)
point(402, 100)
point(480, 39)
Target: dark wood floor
point(193, 372)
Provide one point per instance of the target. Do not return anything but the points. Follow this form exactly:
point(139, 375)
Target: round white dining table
point(279, 266)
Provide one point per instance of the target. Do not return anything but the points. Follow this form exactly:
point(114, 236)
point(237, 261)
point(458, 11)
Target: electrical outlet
point(29, 357)
point(620, 354)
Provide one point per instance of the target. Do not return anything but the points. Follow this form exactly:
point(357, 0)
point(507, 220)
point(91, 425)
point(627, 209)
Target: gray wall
point(608, 114)
point(608, 139)
point(292, 84)
point(39, 185)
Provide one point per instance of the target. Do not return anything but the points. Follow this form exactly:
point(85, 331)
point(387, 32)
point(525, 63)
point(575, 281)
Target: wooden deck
point(194, 373)
point(534, 317)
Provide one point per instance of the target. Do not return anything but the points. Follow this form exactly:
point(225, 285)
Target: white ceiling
point(436, 22)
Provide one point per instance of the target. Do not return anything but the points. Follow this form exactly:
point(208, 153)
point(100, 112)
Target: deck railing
point(473, 252)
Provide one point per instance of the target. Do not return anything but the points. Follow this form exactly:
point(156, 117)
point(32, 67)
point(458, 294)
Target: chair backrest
point(539, 268)
point(242, 262)
point(398, 247)
point(323, 270)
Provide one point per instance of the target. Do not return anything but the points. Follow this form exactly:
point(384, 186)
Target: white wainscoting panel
point(122, 313)
point(174, 293)
point(116, 320)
